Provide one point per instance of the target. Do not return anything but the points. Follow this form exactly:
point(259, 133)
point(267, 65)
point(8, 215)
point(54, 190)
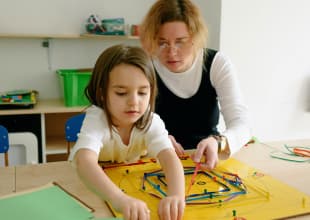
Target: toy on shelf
point(17, 99)
point(113, 26)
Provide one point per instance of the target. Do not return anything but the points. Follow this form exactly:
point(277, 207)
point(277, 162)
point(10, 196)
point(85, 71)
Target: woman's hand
point(171, 208)
point(177, 146)
point(206, 148)
point(132, 208)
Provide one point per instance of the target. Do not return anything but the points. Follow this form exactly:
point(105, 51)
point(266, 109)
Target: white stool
point(23, 149)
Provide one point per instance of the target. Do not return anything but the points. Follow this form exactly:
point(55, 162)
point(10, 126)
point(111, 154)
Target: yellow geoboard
point(232, 191)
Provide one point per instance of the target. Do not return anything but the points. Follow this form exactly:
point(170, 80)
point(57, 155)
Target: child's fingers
point(144, 214)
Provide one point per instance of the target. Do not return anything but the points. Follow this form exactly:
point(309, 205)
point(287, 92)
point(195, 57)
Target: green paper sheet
point(51, 203)
point(108, 218)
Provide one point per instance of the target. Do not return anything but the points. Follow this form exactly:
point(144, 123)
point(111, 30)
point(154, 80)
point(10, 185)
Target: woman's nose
point(172, 49)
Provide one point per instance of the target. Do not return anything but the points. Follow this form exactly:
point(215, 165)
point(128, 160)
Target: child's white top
point(95, 136)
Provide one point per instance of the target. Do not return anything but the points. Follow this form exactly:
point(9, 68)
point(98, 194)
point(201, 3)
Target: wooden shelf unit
point(54, 115)
point(49, 115)
point(69, 36)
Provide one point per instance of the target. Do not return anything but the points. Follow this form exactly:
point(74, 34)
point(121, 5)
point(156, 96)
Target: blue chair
point(72, 128)
point(4, 144)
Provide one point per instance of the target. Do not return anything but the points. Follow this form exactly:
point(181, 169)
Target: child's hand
point(171, 208)
point(132, 209)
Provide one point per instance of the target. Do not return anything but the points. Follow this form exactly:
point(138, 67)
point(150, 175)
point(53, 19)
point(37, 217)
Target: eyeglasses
point(182, 45)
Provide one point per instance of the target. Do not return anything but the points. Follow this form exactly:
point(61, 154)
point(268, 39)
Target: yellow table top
point(20, 178)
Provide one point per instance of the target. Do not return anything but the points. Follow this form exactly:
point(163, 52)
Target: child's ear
point(101, 94)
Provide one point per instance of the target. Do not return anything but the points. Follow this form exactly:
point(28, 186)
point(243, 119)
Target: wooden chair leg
point(68, 148)
point(6, 159)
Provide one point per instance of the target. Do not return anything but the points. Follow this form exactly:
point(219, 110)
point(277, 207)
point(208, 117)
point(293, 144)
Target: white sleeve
point(232, 106)
point(92, 133)
point(156, 137)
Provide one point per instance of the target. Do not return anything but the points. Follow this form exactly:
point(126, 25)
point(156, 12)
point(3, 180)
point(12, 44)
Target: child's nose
point(133, 99)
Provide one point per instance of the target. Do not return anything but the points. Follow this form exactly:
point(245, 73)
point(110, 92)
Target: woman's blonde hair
point(164, 11)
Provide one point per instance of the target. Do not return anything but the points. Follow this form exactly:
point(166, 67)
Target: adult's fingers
point(177, 146)
point(198, 154)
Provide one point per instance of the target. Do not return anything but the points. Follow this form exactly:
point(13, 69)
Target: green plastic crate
point(73, 82)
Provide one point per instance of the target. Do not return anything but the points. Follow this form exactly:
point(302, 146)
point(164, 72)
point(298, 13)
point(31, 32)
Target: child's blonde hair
point(97, 89)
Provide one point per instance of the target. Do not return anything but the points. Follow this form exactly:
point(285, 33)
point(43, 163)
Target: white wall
point(26, 64)
point(64, 17)
point(269, 42)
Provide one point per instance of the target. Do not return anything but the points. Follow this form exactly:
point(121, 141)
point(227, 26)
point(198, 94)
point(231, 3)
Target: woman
point(193, 82)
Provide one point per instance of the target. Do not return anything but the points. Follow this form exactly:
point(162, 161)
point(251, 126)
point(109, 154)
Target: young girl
point(120, 126)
